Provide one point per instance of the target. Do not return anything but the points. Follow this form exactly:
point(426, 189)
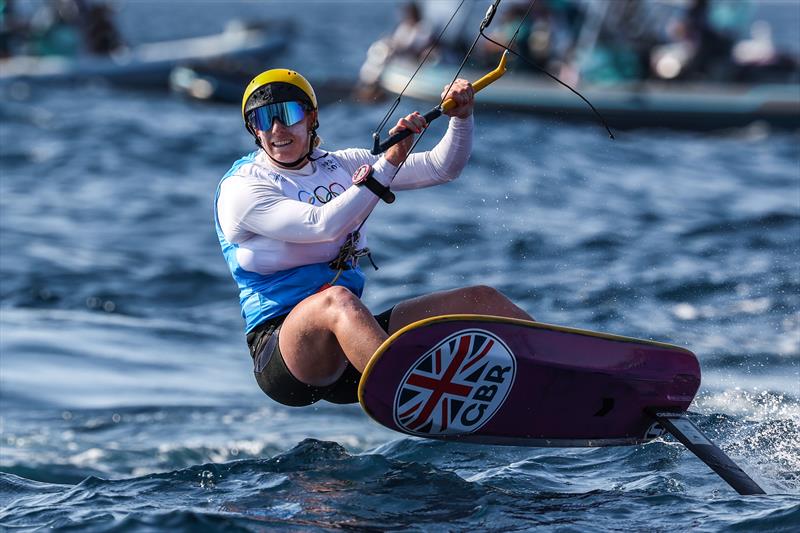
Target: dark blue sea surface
point(126, 390)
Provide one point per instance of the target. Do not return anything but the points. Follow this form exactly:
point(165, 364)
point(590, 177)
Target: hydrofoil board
point(495, 380)
point(504, 381)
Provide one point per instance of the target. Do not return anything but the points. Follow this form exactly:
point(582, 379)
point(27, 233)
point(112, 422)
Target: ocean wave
point(319, 484)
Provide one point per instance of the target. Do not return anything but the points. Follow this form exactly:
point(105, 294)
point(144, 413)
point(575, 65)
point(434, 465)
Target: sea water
point(126, 389)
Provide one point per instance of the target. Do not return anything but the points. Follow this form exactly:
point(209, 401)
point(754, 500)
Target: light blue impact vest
point(265, 296)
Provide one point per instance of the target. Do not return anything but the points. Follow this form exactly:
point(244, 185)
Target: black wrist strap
point(381, 191)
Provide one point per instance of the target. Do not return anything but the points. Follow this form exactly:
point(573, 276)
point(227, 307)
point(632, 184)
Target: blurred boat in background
point(693, 64)
point(224, 82)
point(689, 105)
point(149, 65)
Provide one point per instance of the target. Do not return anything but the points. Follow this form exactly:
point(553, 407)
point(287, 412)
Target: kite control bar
point(380, 147)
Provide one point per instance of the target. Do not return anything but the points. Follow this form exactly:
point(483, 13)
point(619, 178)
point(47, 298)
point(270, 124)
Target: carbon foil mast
point(682, 428)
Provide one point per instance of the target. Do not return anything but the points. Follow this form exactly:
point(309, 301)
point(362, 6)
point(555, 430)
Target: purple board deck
point(494, 380)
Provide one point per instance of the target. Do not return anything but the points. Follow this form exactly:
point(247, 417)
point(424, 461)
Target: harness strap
point(348, 257)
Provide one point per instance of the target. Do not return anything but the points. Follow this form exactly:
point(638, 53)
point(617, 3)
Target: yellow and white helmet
point(275, 86)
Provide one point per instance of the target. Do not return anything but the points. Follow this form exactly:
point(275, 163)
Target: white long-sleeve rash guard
point(282, 219)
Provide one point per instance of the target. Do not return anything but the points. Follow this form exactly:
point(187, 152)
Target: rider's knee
point(339, 299)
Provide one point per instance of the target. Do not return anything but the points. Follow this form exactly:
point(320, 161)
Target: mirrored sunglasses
point(287, 113)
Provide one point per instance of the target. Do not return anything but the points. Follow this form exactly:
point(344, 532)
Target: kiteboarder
point(289, 218)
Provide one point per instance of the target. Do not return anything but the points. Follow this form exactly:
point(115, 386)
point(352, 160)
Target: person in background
point(510, 20)
point(546, 33)
point(99, 30)
point(72, 27)
point(696, 50)
point(616, 43)
point(711, 56)
point(413, 36)
point(13, 29)
point(411, 39)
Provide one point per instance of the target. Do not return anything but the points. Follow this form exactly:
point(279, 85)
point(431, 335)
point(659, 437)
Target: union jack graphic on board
point(457, 386)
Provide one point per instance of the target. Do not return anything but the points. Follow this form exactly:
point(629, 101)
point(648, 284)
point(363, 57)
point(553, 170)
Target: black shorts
point(277, 381)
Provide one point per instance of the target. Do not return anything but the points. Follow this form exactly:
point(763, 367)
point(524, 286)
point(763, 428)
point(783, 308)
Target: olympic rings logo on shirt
point(322, 194)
